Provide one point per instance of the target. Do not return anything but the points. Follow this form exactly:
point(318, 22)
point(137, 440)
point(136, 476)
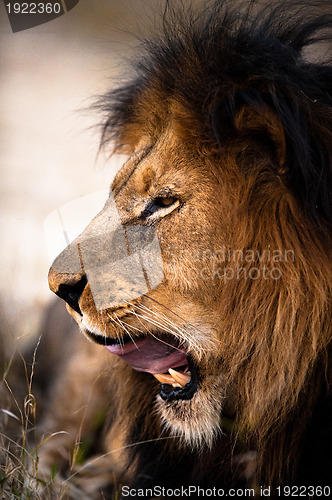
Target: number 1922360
point(34, 8)
point(304, 491)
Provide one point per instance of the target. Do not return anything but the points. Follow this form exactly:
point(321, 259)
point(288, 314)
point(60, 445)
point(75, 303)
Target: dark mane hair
point(222, 59)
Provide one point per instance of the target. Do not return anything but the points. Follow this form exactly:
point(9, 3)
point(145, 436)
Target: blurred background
point(50, 75)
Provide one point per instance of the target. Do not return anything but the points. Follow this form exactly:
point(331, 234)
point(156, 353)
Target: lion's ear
point(262, 122)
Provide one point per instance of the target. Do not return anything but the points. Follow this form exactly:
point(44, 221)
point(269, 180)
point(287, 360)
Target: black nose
point(71, 292)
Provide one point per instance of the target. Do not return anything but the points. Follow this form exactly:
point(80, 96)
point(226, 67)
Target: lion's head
point(208, 272)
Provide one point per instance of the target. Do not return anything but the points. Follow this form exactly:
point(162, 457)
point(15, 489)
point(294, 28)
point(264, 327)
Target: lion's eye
point(164, 202)
point(161, 206)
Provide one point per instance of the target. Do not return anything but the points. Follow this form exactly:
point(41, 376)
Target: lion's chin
point(196, 421)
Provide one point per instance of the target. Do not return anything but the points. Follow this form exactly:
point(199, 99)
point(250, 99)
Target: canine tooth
point(181, 378)
point(164, 379)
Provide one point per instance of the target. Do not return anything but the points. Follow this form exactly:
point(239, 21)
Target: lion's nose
point(68, 287)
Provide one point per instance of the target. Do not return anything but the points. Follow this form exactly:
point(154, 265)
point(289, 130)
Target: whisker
point(126, 330)
point(132, 327)
point(121, 341)
point(174, 328)
point(184, 339)
point(176, 331)
point(163, 322)
point(154, 322)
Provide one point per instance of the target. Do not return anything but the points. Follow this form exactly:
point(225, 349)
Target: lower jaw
point(169, 393)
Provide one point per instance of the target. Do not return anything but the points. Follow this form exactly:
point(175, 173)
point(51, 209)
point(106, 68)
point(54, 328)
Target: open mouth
point(165, 358)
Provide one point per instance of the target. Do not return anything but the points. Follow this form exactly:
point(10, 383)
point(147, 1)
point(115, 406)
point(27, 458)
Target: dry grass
point(21, 408)
point(19, 443)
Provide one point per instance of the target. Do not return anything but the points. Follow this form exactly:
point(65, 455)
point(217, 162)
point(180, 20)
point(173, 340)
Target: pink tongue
point(150, 355)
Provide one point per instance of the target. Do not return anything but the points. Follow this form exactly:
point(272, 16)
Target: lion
point(204, 285)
